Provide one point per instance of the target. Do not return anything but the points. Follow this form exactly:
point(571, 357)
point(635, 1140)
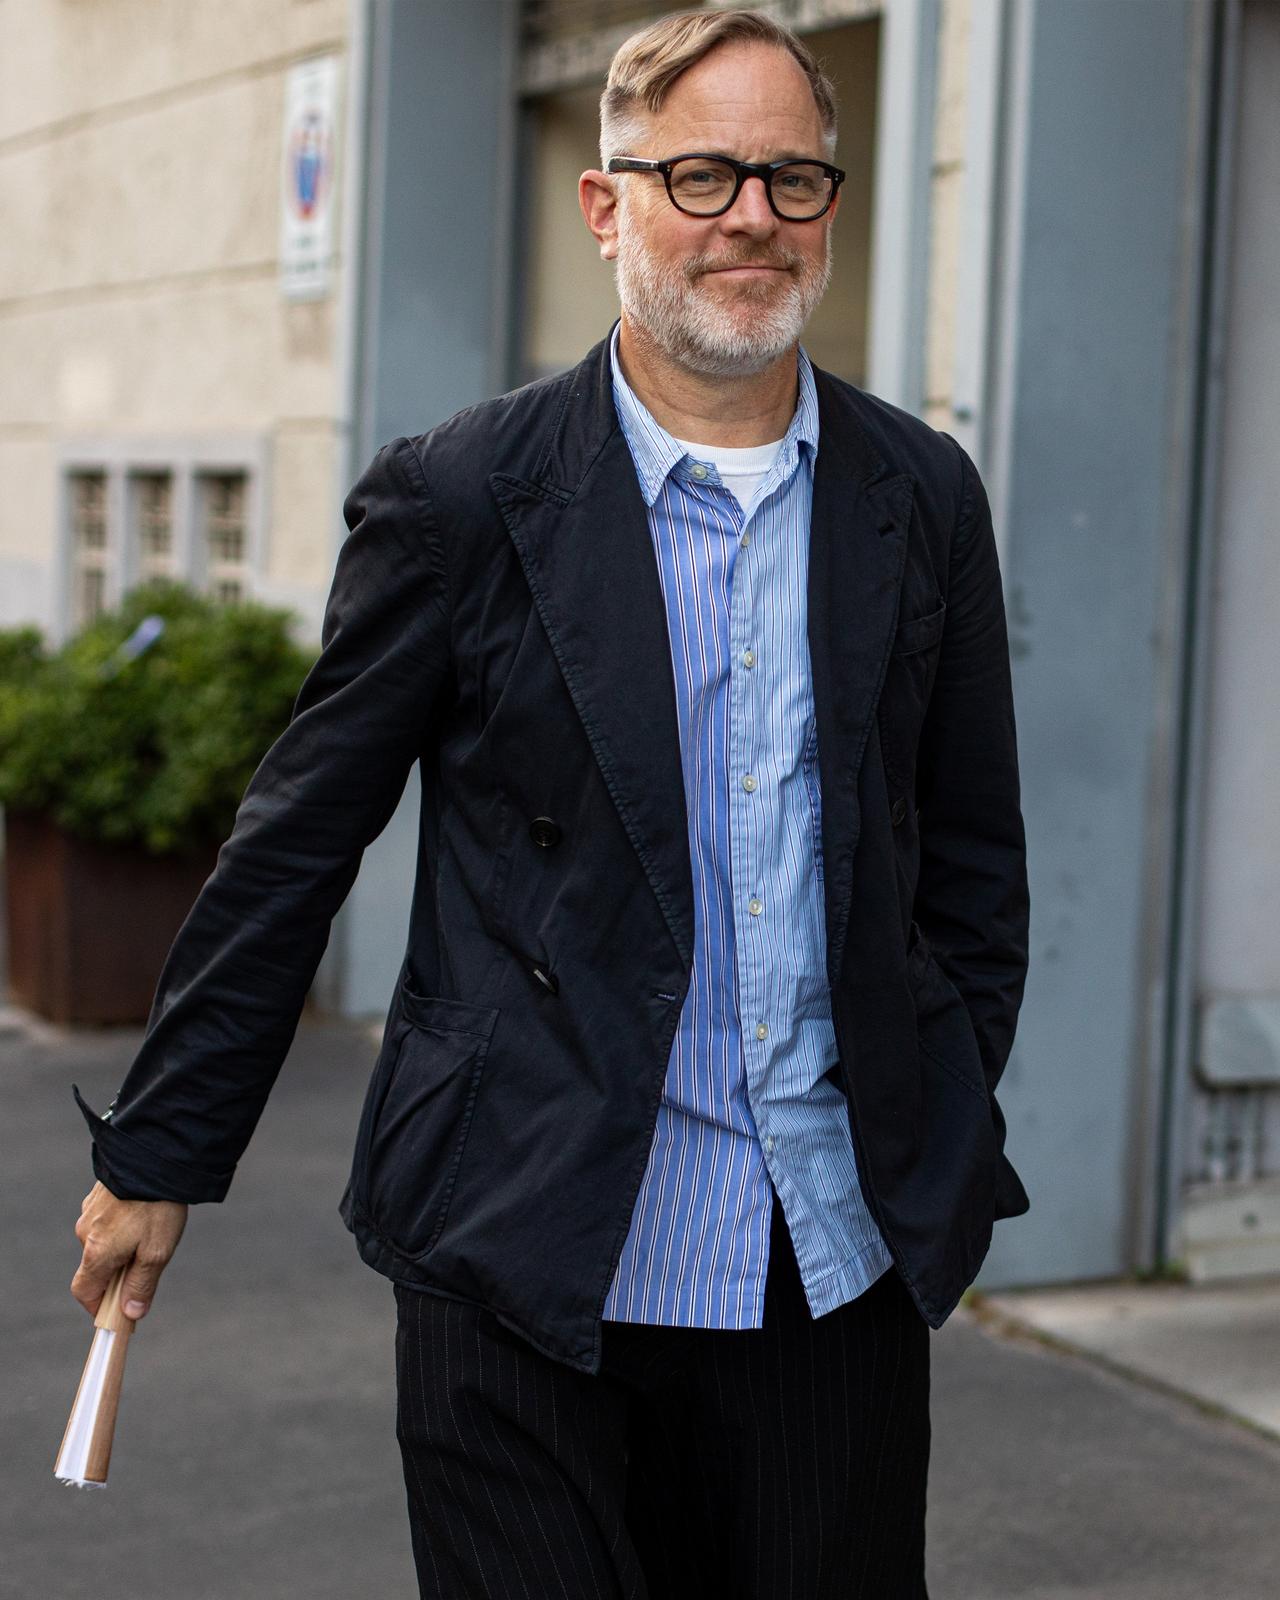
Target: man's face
point(729, 294)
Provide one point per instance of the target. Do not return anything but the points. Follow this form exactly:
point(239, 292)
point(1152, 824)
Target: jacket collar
point(586, 417)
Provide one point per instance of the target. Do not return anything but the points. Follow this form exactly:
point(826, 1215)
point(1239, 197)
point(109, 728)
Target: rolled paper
point(86, 1445)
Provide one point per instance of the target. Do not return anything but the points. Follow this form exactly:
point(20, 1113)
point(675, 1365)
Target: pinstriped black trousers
point(787, 1462)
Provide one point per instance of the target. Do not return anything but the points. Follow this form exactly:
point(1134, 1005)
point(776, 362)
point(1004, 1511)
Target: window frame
point(186, 461)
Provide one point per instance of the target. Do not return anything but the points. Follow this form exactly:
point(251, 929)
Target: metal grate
point(154, 503)
point(542, 21)
point(565, 43)
point(225, 536)
point(89, 546)
point(568, 43)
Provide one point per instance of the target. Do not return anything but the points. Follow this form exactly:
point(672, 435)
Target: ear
point(599, 202)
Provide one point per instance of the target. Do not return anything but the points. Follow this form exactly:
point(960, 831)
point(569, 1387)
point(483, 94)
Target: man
point(683, 1134)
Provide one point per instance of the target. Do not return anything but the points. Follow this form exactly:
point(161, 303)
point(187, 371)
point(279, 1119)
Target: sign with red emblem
point(306, 213)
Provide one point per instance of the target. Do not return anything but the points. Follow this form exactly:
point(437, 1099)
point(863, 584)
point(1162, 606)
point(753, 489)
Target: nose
point(750, 212)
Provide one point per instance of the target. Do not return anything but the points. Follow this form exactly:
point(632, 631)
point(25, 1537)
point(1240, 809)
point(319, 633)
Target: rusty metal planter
point(89, 925)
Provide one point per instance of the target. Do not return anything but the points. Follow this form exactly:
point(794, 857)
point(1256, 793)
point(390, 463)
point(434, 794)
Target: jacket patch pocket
point(943, 1028)
point(419, 1130)
point(920, 633)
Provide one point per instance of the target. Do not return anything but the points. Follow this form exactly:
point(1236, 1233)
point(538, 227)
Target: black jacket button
point(897, 811)
point(544, 831)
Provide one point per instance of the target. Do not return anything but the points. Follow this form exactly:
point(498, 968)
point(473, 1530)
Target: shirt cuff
point(133, 1172)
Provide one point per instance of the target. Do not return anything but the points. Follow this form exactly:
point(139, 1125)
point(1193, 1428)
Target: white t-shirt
point(741, 467)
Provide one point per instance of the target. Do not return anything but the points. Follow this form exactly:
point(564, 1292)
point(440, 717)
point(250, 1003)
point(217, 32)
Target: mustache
point(783, 260)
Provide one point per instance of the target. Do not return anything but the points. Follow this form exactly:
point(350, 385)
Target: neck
point(755, 408)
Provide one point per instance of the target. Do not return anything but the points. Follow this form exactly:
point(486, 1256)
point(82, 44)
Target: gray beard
point(685, 323)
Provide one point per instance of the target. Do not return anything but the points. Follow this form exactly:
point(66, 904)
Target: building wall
point(946, 196)
point(1230, 1218)
point(1101, 377)
point(140, 187)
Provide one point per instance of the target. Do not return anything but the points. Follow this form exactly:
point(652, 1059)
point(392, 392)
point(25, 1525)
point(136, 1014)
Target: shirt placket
point(753, 774)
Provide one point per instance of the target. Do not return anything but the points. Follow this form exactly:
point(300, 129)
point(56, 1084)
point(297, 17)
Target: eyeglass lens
point(800, 189)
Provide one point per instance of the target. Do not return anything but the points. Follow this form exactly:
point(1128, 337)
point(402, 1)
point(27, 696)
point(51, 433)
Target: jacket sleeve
point(972, 901)
point(237, 975)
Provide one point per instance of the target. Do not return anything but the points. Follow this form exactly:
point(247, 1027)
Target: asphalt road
point(256, 1453)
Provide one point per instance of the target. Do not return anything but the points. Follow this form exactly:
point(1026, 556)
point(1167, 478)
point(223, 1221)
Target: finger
point(98, 1266)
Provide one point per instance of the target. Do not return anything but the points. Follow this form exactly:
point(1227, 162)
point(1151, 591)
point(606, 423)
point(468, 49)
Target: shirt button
point(762, 1031)
point(697, 470)
point(750, 784)
point(768, 1145)
point(755, 907)
point(748, 658)
point(745, 540)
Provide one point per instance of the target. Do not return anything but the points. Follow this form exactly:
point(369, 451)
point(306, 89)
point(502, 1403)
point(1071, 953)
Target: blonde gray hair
point(647, 64)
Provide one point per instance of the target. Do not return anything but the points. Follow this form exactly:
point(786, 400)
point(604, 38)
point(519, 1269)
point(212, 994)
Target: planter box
point(89, 925)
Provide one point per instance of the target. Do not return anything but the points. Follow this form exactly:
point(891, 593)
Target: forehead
point(749, 100)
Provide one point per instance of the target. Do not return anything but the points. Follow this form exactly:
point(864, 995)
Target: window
point(189, 509)
point(153, 525)
point(225, 539)
point(89, 548)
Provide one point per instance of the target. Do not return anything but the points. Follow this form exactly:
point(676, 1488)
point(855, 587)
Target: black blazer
point(496, 616)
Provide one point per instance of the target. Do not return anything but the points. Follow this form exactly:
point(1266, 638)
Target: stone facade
point(141, 190)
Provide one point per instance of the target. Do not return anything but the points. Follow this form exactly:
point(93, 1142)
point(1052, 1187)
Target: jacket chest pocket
point(417, 1116)
point(905, 694)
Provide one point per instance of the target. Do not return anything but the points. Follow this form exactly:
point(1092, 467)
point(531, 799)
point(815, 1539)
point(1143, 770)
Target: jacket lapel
point(857, 547)
point(581, 532)
point(580, 529)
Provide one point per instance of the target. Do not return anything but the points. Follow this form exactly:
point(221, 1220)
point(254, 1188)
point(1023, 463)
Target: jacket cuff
point(133, 1172)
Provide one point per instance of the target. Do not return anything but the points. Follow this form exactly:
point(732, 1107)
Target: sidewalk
point(1215, 1344)
point(256, 1453)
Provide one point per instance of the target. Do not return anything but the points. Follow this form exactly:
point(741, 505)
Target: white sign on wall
point(307, 169)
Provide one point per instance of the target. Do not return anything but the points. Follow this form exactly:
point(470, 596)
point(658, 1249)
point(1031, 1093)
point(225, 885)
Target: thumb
point(139, 1289)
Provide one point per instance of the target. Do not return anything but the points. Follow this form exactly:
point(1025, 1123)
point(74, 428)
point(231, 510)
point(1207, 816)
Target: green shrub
point(154, 747)
point(20, 650)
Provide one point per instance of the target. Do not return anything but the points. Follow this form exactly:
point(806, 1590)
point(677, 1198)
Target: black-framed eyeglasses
point(706, 185)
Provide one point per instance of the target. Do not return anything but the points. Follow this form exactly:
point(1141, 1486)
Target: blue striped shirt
point(746, 1099)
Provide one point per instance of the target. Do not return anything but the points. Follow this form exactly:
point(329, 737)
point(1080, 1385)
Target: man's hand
point(116, 1232)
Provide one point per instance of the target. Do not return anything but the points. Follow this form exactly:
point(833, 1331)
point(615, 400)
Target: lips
point(745, 266)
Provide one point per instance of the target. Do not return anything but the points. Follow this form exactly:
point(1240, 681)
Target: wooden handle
point(85, 1452)
point(110, 1316)
point(110, 1312)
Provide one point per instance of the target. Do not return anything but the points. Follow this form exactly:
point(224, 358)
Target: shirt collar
point(656, 454)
